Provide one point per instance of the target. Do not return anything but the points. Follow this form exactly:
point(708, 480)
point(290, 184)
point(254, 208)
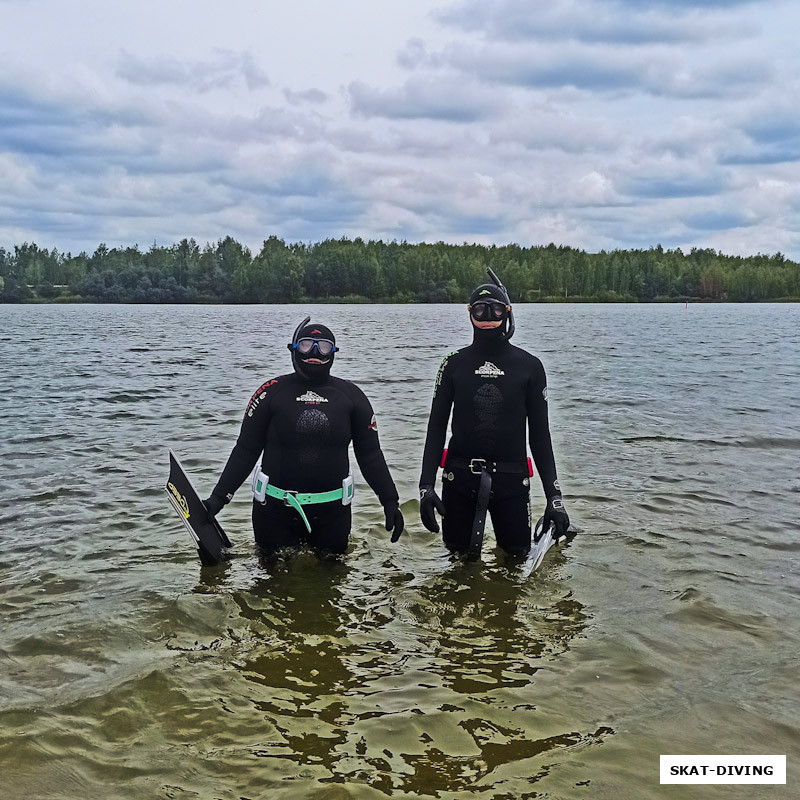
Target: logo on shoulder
point(489, 370)
point(373, 424)
point(259, 395)
point(544, 393)
point(311, 397)
point(440, 373)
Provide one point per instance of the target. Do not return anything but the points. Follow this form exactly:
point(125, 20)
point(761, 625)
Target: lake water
point(669, 624)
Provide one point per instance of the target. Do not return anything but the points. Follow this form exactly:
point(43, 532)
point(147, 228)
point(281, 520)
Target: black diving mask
point(324, 347)
point(488, 310)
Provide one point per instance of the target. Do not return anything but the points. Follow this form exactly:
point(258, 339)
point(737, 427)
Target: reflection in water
point(348, 696)
point(304, 668)
point(488, 632)
point(498, 746)
point(488, 636)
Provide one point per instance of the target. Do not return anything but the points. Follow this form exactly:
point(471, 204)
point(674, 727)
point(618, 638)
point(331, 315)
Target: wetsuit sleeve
point(443, 392)
point(367, 449)
point(539, 430)
point(249, 445)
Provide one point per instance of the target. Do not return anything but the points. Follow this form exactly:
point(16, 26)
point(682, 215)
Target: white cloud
point(15, 176)
point(220, 71)
point(314, 96)
point(597, 189)
point(596, 124)
point(621, 23)
point(446, 98)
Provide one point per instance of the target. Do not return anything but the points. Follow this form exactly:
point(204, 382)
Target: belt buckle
point(286, 495)
point(481, 462)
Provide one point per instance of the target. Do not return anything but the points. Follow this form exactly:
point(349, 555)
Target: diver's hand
point(394, 520)
point(214, 505)
point(428, 502)
point(557, 514)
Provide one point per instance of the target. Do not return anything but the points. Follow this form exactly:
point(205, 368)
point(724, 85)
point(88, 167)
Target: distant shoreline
point(358, 271)
point(363, 301)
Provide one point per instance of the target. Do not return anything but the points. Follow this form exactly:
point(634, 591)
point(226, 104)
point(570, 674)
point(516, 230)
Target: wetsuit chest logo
point(489, 370)
point(311, 397)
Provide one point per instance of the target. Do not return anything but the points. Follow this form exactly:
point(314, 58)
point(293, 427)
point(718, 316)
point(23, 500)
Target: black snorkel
point(496, 281)
point(296, 335)
point(292, 347)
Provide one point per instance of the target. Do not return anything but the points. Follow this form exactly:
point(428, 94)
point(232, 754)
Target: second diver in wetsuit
point(494, 390)
point(303, 423)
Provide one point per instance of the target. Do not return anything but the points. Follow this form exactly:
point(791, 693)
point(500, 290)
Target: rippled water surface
point(669, 625)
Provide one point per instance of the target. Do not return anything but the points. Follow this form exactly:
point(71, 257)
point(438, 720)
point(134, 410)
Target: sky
point(597, 124)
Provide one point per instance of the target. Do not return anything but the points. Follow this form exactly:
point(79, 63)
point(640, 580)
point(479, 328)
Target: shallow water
point(669, 625)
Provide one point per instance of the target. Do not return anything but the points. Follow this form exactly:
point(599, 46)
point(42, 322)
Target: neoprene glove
point(557, 514)
point(394, 520)
point(428, 502)
point(214, 505)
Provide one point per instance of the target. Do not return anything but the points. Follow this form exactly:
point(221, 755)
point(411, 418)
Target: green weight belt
point(299, 499)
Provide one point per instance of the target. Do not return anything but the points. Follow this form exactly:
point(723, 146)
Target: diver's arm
point(542, 449)
point(539, 430)
point(248, 447)
point(437, 423)
point(367, 449)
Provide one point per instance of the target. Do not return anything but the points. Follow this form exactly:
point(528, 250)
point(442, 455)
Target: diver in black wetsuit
point(494, 390)
point(303, 423)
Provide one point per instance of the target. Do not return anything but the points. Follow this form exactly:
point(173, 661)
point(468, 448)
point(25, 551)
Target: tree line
point(354, 270)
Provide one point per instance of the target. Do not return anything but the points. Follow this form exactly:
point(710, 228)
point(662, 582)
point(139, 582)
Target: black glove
point(557, 514)
point(428, 501)
point(394, 520)
point(214, 505)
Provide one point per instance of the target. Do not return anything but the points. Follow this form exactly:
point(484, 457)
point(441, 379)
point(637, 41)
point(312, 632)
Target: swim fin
point(211, 541)
point(541, 542)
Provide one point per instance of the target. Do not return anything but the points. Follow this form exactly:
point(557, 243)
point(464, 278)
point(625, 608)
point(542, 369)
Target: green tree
point(231, 255)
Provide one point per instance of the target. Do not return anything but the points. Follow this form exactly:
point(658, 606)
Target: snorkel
point(296, 334)
point(292, 347)
point(509, 332)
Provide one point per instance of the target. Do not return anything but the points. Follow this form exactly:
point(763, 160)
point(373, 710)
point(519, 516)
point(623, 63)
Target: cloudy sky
point(591, 123)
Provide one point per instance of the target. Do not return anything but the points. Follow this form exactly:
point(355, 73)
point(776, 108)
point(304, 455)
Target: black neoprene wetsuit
point(303, 429)
point(494, 389)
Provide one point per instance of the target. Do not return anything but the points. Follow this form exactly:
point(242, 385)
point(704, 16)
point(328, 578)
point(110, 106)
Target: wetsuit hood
point(312, 373)
point(490, 337)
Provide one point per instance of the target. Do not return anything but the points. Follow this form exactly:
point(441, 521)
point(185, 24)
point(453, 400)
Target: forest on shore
point(354, 270)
